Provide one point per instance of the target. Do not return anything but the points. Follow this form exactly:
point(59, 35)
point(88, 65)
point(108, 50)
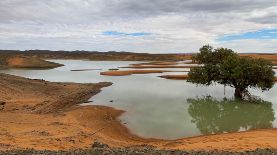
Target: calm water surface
point(161, 108)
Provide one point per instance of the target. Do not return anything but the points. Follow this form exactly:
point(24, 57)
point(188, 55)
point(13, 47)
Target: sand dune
point(28, 62)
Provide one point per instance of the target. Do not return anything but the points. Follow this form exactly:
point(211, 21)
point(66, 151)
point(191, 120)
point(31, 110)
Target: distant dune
point(130, 72)
point(175, 77)
point(27, 62)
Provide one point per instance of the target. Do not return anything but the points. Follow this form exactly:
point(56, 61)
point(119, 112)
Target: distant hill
point(93, 55)
point(19, 61)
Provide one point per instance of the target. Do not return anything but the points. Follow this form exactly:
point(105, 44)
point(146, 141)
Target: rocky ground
point(98, 148)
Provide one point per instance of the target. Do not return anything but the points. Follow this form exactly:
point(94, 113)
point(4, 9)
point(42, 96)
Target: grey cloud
point(66, 11)
point(178, 6)
point(269, 19)
point(60, 11)
point(176, 24)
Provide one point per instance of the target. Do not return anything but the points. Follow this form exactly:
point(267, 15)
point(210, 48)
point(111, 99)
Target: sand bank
point(158, 63)
point(79, 70)
point(130, 72)
point(157, 66)
point(175, 77)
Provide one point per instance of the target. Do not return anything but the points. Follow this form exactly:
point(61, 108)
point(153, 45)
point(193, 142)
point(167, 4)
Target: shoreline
point(211, 142)
point(66, 125)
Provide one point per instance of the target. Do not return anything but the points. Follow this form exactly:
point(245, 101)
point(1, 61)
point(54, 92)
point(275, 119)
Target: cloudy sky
point(154, 26)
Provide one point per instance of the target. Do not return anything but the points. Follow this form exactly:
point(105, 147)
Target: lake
point(162, 108)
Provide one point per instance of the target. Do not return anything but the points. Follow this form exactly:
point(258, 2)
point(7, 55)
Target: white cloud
point(251, 45)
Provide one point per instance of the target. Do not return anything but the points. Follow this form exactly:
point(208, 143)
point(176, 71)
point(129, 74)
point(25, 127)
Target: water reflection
point(213, 116)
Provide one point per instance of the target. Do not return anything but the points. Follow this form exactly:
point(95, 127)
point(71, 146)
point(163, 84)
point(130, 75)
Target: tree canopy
point(226, 67)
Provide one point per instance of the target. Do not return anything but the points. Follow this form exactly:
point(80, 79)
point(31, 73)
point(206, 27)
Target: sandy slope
point(18, 61)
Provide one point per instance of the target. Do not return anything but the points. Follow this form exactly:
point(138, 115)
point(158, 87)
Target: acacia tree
point(226, 67)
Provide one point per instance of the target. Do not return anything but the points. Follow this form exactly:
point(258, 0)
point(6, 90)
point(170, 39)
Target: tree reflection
point(213, 116)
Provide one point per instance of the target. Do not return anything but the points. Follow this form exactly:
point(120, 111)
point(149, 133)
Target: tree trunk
point(238, 93)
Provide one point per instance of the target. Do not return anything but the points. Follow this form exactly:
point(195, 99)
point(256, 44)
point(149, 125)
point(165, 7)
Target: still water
point(161, 108)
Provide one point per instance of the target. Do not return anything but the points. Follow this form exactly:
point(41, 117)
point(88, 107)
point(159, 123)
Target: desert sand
point(17, 61)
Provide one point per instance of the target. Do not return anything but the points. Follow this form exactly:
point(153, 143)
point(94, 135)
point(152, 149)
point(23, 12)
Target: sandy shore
point(45, 115)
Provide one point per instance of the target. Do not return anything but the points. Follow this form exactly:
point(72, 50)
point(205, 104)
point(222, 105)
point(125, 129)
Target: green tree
point(226, 67)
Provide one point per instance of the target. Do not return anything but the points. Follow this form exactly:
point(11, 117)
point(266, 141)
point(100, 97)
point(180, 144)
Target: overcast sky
point(154, 26)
